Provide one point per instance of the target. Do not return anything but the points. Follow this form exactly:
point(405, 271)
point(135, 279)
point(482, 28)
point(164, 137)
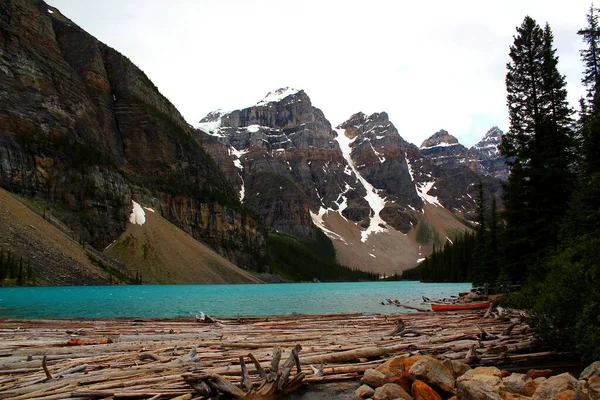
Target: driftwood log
point(151, 358)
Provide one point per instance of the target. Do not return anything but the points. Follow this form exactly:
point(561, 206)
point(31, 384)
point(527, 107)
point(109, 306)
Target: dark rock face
point(285, 161)
point(83, 127)
point(486, 153)
point(484, 158)
point(444, 149)
point(380, 156)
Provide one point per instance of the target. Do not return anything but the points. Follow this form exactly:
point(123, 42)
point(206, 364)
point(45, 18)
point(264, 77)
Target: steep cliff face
point(84, 128)
point(487, 154)
point(380, 155)
point(282, 157)
point(483, 158)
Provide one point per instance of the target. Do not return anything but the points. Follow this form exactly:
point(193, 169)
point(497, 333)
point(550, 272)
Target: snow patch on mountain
point(376, 224)
point(277, 95)
point(381, 158)
point(237, 154)
point(138, 215)
point(441, 144)
point(422, 190)
point(422, 187)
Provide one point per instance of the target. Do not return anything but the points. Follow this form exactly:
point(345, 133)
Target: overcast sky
point(429, 64)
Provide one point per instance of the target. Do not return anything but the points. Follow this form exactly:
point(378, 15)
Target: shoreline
point(124, 356)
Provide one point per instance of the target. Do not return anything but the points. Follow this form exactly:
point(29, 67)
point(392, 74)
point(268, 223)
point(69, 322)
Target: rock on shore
point(426, 378)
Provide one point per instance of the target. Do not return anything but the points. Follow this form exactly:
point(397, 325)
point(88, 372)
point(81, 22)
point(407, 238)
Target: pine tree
point(540, 147)
point(480, 273)
point(2, 265)
point(591, 57)
point(492, 245)
point(20, 274)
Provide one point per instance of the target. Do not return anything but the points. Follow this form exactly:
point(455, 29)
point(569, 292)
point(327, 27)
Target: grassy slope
point(55, 257)
point(163, 253)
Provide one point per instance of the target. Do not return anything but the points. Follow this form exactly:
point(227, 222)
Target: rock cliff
point(83, 129)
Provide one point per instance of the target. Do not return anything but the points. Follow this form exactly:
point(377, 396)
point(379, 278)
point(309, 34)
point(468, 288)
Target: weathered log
point(45, 367)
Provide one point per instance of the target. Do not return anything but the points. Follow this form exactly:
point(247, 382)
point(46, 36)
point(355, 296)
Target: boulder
point(591, 370)
point(488, 371)
point(594, 387)
point(571, 395)
point(458, 368)
point(422, 391)
point(391, 391)
point(434, 373)
point(514, 383)
point(364, 392)
point(393, 366)
point(404, 380)
point(529, 388)
point(554, 385)
point(540, 373)
point(474, 389)
point(409, 361)
point(513, 396)
point(373, 378)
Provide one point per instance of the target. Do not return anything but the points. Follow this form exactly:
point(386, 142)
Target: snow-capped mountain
point(484, 158)
point(361, 183)
point(486, 152)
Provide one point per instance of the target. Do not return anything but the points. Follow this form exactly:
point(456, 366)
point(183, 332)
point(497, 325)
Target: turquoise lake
point(217, 300)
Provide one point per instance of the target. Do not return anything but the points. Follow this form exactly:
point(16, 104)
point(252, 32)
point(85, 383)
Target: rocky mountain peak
point(441, 139)
point(490, 142)
point(279, 95)
point(487, 153)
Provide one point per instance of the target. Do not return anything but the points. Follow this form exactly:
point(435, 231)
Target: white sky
point(429, 64)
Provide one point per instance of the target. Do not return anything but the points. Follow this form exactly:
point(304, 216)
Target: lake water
point(217, 300)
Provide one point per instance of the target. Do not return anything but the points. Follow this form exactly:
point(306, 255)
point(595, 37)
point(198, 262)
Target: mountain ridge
point(85, 133)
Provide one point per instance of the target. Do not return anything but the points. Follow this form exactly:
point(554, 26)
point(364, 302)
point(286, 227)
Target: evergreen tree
point(493, 244)
point(2, 265)
point(480, 273)
point(565, 313)
point(20, 274)
point(540, 147)
point(591, 57)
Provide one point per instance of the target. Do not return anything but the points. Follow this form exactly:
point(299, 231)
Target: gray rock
point(434, 373)
point(373, 378)
point(364, 392)
point(554, 385)
point(391, 391)
point(458, 368)
point(514, 382)
point(474, 389)
point(591, 370)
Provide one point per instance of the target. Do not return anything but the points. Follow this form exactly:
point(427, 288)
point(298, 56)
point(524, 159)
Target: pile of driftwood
point(196, 358)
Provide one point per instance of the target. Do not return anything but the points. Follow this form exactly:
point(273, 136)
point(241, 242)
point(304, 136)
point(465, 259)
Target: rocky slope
point(157, 251)
point(83, 129)
point(55, 258)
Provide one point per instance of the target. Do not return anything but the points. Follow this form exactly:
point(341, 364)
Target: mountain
point(382, 202)
point(487, 154)
point(83, 132)
point(483, 158)
point(272, 187)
